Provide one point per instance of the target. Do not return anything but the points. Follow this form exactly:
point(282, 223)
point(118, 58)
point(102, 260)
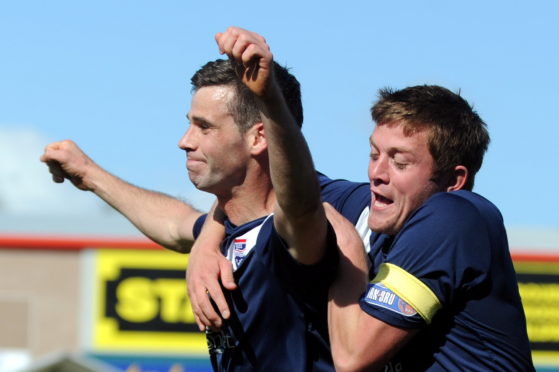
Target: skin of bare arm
point(207, 267)
point(354, 349)
point(164, 219)
point(298, 214)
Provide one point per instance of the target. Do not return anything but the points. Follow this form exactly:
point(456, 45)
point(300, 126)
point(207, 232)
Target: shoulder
point(197, 227)
point(347, 197)
point(450, 225)
point(457, 208)
point(329, 185)
point(448, 242)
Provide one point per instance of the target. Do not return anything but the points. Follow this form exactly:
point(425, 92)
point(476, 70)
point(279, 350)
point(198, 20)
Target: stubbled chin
point(374, 223)
point(381, 222)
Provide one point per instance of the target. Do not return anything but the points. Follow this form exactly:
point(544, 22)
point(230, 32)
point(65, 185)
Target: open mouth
point(380, 201)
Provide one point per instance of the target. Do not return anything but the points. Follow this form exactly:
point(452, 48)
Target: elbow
point(352, 366)
point(182, 246)
point(347, 365)
point(347, 361)
point(179, 246)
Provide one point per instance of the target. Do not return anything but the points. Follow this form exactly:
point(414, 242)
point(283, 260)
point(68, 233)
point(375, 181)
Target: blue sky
point(114, 77)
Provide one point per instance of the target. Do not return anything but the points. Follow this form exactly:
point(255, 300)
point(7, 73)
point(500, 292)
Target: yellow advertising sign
point(142, 303)
point(538, 283)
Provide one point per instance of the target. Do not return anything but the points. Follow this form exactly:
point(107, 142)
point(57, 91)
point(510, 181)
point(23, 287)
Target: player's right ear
point(256, 138)
point(458, 179)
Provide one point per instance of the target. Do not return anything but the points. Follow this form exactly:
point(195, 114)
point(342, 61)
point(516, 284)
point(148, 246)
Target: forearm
point(207, 267)
point(164, 219)
point(299, 217)
point(291, 166)
point(359, 341)
point(344, 312)
point(213, 231)
point(344, 324)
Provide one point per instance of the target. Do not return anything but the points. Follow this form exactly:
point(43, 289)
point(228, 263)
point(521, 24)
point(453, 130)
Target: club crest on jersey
point(239, 247)
point(379, 295)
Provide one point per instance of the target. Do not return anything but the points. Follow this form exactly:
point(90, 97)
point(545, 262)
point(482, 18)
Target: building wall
point(55, 297)
point(39, 300)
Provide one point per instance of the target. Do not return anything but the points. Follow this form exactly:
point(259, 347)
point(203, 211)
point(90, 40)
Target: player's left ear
point(257, 139)
point(458, 178)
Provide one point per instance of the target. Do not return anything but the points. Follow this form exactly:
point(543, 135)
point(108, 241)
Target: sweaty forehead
point(211, 101)
point(396, 135)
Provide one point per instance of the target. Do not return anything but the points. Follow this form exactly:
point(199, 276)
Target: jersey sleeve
point(309, 283)
point(440, 256)
point(349, 198)
point(352, 200)
point(198, 224)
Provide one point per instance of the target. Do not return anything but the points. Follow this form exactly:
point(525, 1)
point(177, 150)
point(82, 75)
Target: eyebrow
point(392, 150)
point(199, 119)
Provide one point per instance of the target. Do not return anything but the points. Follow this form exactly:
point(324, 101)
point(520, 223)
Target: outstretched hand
point(251, 57)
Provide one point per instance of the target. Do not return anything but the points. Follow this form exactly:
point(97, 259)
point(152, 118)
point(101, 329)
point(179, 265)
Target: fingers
point(204, 312)
point(251, 57)
point(65, 160)
point(218, 37)
point(58, 174)
point(206, 295)
point(335, 218)
point(346, 236)
point(241, 45)
point(215, 291)
point(328, 208)
point(54, 154)
point(201, 325)
point(227, 280)
point(51, 157)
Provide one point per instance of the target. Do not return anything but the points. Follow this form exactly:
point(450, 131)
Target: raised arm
point(299, 216)
point(162, 218)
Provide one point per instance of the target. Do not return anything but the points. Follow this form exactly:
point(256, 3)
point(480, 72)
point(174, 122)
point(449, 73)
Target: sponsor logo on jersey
point(219, 341)
point(393, 367)
point(379, 295)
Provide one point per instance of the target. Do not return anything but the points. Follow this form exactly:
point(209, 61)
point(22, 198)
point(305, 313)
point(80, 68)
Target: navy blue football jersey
point(279, 311)
point(449, 272)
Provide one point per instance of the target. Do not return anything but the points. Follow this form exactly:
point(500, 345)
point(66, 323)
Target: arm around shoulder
point(359, 341)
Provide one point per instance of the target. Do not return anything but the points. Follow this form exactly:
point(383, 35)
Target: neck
point(240, 212)
point(253, 199)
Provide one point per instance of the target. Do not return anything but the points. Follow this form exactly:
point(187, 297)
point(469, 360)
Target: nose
point(187, 141)
point(378, 170)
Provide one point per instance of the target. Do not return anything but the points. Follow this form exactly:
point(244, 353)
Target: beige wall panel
point(15, 323)
point(47, 283)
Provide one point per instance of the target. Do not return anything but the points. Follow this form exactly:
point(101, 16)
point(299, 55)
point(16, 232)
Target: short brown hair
point(243, 106)
point(457, 135)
